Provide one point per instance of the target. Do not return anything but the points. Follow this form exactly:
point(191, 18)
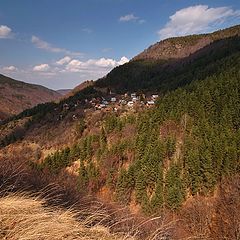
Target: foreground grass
point(27, 218)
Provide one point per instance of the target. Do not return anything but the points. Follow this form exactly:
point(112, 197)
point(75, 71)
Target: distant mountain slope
point(64, 91)
point(81, 86)
point(16, 96)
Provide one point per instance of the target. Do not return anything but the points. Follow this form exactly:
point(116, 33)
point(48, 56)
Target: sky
point(61, 43)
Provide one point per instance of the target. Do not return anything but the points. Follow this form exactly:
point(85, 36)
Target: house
point(105, 102)
point(134, 99)
point(101, 106)
point(154, 97)
point(113, 99)
point(123, 102)
point(150, 103)
point(66, 106)
point(133, 95)
point(130, 104)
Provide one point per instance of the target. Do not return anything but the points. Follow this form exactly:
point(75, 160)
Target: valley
point(158, 137)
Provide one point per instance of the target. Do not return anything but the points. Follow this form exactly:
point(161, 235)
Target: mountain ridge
point(160, 75)
point(174, 46)
point(16, 96)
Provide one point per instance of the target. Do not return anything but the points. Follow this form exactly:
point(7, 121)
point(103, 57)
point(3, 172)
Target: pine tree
point(123, 191)
point(140, 187)
point(157, 199)
point(83, 178)
point(174, 189)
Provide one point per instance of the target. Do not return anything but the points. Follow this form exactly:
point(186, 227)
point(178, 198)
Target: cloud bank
point(89, 69)
point(196, 19)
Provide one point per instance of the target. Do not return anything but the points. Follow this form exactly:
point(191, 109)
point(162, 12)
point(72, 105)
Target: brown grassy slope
point(24, 217)
point(182, 47)
point(79, 87)
point(15, 96)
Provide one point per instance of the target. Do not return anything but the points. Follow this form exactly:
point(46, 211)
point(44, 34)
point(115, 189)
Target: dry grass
point(27, 218)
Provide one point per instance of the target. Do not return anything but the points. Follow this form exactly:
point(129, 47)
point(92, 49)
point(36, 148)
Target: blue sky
point(60, 43)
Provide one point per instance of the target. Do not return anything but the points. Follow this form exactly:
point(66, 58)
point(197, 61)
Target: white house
point(133, 95)
point(134, 99)
point(113, 99)
point(130, 104)
point(154, 96)
point(150, 103)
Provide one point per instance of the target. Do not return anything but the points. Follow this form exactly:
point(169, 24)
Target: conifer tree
point(174, 189)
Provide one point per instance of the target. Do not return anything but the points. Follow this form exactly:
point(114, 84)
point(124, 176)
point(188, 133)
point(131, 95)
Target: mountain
point(70, 92)
point(178, 161)
point(182, 47)
point(64, 91)
point(16, 96)
point(171, 63)
point(82, 86)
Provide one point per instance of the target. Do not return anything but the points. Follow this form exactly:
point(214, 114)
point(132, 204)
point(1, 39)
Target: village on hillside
point(115, 103)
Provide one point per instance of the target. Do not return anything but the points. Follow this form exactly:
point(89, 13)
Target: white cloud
point(196, 19)
point(74, 66)
point(39, 43)
point(63, 61)
point(123, 60)
point(5, 31)
point(102, 64)
point(131, 18)
point(10, 69)
point(87, 30)
point(41, 68)
point(127, 18)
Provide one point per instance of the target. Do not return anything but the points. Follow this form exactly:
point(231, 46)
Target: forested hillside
point(166, 74)
point(185, 146)
point(154, 161)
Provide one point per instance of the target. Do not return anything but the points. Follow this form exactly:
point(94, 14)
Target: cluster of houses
point(113, 103)
point(116, 102)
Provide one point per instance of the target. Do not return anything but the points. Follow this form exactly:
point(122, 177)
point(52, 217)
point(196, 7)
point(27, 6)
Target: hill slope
point(16, 96)
point(173, 62)
point(182, 47)
point(154, 161)
point(64, 92)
